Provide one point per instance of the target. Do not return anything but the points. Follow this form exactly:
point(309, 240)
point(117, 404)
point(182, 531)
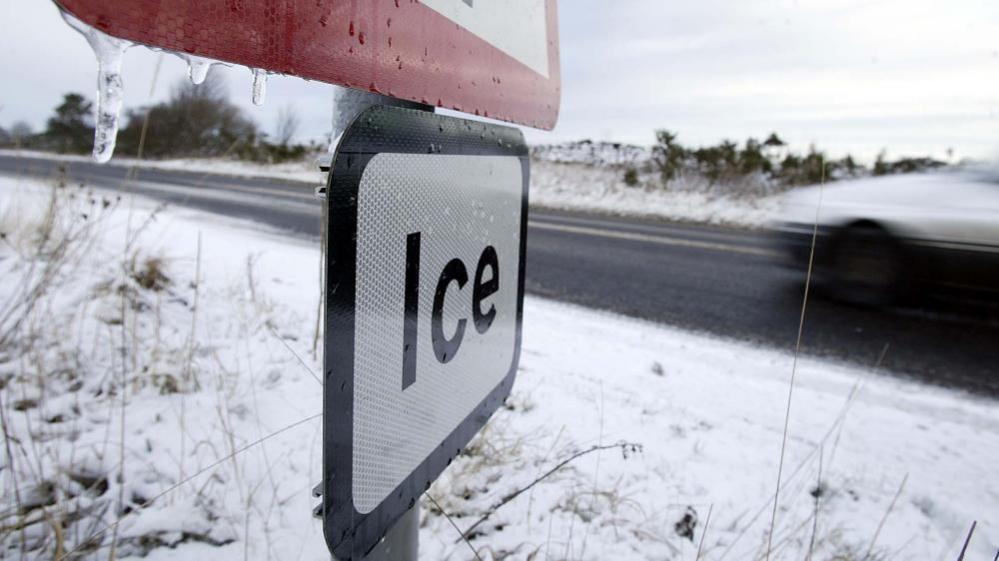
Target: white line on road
point(664, 240)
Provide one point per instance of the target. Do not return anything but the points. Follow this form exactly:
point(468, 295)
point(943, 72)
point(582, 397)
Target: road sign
point(496, 59)
point(425, 281)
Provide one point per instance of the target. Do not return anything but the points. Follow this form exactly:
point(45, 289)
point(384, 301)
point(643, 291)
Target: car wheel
point(866, 266)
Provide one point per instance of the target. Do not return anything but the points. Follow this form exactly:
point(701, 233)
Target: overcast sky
point(909, 76)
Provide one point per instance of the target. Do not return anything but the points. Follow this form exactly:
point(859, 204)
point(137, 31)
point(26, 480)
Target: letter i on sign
point(411, 306)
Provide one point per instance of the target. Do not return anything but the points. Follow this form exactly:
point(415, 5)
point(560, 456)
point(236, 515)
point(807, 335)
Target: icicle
point(197, 68)
point(109, 51)
point(259, 86)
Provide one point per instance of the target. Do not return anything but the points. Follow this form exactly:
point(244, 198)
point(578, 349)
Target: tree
point(774, 141)
point(881, 167)
point(729, 153)
point(806, 170)
point(21, 133)
point(709, 162)
point(287, 125)
point(631, 176)
point(752, 160)
point(813, 167)
point(668, 155)
point(789, 168)
point(912, 165)
point(850, 166)
point(71, 129)
point(196, 121)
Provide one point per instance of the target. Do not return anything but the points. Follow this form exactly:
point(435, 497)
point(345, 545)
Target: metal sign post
point(427, 229)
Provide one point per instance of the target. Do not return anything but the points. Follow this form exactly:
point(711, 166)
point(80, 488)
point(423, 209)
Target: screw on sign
point(427, 217)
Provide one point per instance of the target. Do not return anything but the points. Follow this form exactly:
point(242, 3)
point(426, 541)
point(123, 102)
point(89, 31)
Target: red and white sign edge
point(523, 37)
point(494, 59)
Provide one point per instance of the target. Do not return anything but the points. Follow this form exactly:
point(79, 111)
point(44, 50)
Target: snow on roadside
point(304, 170)
point(571, 186)
point(706, 414)
point(560, 185)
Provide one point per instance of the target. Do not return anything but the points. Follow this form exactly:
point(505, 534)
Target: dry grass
point(70, 372)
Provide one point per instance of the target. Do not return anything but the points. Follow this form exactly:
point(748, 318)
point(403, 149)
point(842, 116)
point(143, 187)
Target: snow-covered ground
point(306, 170)
point(156, 350)
point(558, 180)
point(600, 153)
point(583, 187)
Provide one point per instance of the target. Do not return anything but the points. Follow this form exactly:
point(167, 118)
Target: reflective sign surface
point(424, 300)
point(454, 221)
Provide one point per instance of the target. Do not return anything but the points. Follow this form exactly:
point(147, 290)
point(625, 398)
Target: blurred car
point(881, 239)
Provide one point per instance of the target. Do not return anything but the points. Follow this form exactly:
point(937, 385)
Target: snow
point(568, 186)
point(600, 153)
point(305, 170)
point(582, 187)
point(200, 387)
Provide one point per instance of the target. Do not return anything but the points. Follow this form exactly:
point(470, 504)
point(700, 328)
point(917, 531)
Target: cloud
point(912, 76)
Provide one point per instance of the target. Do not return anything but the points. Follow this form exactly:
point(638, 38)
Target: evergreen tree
point(631, 176)
point(729, 155)
point(881, 166)
point(71, 129)
point(709, 162)
point(752, 160)
point(851, 167)
point(668, 155)
point(813, 167)
point(774, 141)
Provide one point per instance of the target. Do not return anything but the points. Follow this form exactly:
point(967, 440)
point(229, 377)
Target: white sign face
point(424, 300)
point(456, 220)
point(519, 28)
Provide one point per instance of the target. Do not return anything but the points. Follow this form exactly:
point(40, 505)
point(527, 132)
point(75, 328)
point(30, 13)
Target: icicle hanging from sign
point(109, 51)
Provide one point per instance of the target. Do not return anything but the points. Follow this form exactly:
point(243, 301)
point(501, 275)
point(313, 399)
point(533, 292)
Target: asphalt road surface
point(726, 282)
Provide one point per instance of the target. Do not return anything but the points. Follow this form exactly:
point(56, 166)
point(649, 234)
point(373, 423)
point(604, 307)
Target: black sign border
point(380, 129)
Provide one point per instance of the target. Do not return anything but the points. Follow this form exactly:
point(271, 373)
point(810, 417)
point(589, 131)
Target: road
point(721, 281)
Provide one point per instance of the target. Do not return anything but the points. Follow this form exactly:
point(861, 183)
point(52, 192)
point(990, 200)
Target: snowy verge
point(169, 342)
point(557, 185)
point(304, 170)
point(581, 187)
